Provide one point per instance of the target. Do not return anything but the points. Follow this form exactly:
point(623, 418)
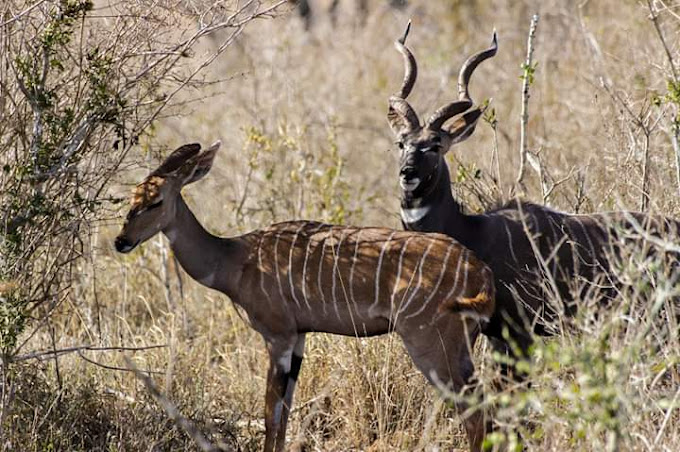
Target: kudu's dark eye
point(400, 144)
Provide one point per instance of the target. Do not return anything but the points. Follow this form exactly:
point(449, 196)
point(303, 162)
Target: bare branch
point(49, 354)
point(654, 17)
point(527, 79)
point(106, 366)
point(22, 14)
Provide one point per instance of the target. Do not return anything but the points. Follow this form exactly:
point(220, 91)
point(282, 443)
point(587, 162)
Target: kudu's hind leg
point(441, 351)
point(278, 396)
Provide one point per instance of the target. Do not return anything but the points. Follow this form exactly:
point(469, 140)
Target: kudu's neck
point(433, 208)
point(213, 261)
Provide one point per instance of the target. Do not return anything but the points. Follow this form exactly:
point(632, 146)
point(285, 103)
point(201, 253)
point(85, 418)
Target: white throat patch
point(415, 214)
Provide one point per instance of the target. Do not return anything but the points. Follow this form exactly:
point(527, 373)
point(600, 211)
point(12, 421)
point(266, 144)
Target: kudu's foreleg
point(295, 366)
point(284, 366)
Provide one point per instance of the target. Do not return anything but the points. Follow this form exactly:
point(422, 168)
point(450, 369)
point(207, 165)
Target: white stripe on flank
point(261, 268)
point(465, 273)
point(532, 221)
point(556, 236)
point(318, 277)
point(575, 251)
point(420, 278)
point(398, 279)
point(536, 236)
point(290, 264)
point(276, 265)
point(461, 258)
point(557, 241)
point(510, 245)
point(351, 270)
point(304, 266)
point(436, 287)
point(336, 255)
point(593, 255)
point(377, 273)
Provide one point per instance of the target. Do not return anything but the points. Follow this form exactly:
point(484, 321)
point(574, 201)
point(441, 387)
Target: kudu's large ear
point(177, 159)
point(461, 129)
point(401, 117)
point(202, 163)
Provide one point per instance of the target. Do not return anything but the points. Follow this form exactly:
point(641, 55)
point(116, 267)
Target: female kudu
point(302, 276)
point(536, 253)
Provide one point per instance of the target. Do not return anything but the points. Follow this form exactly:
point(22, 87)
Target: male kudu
point(298, 277)
point(536, 253)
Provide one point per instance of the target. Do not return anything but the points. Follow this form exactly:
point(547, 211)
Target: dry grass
point(302, 116)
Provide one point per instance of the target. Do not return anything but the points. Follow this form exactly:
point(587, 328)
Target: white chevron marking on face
point(414, 215)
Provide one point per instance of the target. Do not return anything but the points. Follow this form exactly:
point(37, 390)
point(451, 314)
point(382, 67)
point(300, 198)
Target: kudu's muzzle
point(408, 177)
point(408, 172)
point(124, 245)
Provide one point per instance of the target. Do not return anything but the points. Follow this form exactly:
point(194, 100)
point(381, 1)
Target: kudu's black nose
point(408, 172)
point(122, 244)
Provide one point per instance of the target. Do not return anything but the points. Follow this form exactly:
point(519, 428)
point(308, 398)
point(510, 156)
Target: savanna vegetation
point(93, 93)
